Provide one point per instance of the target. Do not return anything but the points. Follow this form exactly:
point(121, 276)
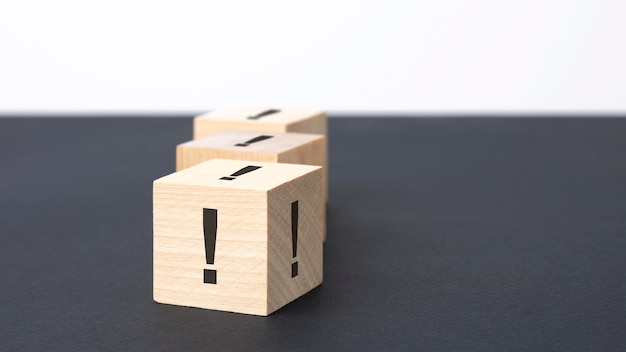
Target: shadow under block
point(230, 235)
point(260, 119)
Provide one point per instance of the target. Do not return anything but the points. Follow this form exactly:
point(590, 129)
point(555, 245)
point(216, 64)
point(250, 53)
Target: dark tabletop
point(443, 234)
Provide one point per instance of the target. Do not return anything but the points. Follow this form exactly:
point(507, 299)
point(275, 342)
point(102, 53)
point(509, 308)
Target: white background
point(350, 56)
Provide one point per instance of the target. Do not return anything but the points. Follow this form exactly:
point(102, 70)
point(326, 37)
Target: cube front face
point(180, 250)
point(230, 248)
point(260, 119)
point(188, 155)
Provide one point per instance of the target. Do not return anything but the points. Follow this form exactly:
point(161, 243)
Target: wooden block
point(238, 236)
point(260, 119)
point(290, 148)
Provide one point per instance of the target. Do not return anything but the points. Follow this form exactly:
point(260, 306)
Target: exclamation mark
point(294, 237)
point(264, 113)
point(209, 219)
point(245, 170)
point(253, 140)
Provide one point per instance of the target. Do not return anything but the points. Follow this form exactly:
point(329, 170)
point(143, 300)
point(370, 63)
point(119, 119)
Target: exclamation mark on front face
point(294, 237)
point(209, 220)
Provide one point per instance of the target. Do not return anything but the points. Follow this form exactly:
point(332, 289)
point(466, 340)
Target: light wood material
point(253, 247)
point(287, 120)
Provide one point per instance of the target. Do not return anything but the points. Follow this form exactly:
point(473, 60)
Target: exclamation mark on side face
point(209, 219)
point(294, 237)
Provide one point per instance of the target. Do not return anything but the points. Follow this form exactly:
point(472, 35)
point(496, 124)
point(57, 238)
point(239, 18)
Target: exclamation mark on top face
point(263, 114)
point(209, 220)
point(253, 140)
point(240, 172)
point(294, 237)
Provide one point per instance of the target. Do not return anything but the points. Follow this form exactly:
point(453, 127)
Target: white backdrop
point(353, 56)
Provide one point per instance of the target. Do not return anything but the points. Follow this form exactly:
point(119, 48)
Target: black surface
point(443, 234)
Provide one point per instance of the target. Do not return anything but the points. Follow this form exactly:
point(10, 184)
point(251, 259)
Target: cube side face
point(313, 153)
point(315, 124)
point(319, 125)
point(296, 206)
point(188, 156)
point(238, 221)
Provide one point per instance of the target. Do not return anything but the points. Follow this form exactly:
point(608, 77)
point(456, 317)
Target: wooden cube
point(290, 148)
point(238, 236)
point(260, 119)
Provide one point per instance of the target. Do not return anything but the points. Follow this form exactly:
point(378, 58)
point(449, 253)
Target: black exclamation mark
point(245, 170)
point(264, 113)
point(253, 140)
point(294, 237)
point(209, 219)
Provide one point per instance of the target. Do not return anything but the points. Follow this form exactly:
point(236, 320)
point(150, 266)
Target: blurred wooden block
point(238, 236)
point(260, 119)
point(290, 148)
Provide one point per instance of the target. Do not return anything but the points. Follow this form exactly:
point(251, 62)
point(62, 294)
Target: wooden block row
point(240, 226)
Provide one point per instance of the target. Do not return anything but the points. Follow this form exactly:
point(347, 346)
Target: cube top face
point(262, 114)
point(233, 249)
point(260, 118)
point(253, 141)
point(238, 174)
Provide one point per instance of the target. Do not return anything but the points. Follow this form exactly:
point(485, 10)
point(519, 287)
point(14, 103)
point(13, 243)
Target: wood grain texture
point(287, 120)
point(253, 247)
